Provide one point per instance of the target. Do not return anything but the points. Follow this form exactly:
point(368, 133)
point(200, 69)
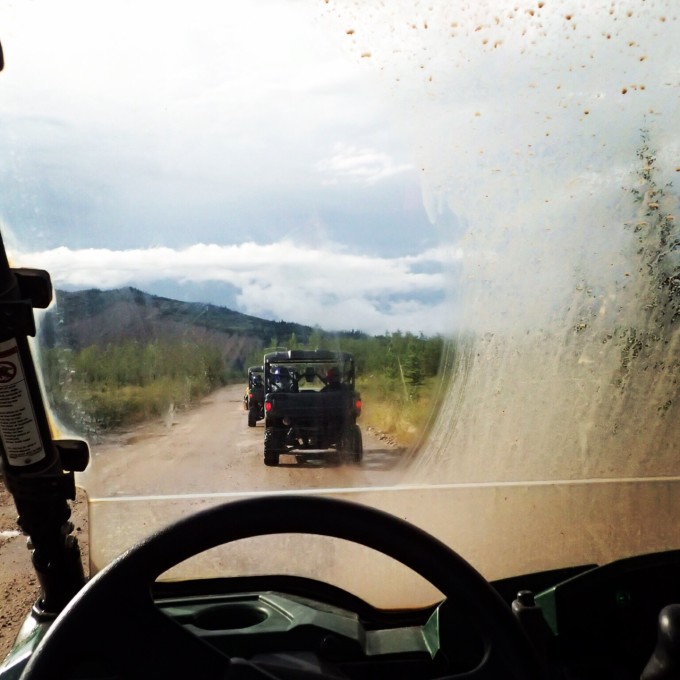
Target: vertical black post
point(38, 470)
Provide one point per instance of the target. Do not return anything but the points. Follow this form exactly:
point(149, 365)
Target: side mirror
point(2, 59)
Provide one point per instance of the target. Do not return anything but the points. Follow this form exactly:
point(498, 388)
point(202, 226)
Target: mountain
point(96, 317)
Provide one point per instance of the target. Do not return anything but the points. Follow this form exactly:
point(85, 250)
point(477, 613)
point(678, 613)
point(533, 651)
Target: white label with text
point(18, 429)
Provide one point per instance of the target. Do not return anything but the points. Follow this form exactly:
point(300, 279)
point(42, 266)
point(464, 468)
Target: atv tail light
point(267, 406)
point(357, 405)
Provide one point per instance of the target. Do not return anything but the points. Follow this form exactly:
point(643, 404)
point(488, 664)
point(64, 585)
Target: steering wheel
point(114, 617)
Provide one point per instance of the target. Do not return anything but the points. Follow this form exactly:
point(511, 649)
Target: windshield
point(475, 202)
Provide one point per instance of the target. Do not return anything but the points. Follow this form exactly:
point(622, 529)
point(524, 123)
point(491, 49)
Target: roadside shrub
point(98, 389)
point(387, 407)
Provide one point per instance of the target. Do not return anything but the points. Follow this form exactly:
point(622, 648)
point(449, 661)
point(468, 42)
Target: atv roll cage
point(308, 366)
point(38, 470)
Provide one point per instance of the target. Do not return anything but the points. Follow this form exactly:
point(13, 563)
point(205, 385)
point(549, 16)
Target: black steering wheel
point(114, 617)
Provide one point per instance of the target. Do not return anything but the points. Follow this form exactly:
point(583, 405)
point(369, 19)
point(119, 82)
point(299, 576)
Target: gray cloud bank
point(326, 285)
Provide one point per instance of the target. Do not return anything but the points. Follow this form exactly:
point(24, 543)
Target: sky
point(235, 158)
point(351, 165)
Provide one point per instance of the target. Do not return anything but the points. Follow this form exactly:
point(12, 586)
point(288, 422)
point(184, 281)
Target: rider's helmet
point(281, 377)
point(333, 376)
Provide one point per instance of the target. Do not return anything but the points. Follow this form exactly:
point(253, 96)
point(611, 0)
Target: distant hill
point(96, 317)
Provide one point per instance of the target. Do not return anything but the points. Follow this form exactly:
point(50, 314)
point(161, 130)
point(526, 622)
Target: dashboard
point(602, 623)
point(305, 626)
point(605, 619)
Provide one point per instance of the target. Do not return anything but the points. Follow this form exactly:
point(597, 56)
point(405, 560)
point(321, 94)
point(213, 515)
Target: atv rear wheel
point(252, 416)
point(271, 459)
point(272, 446)
point(351, 445)
point(357, 445)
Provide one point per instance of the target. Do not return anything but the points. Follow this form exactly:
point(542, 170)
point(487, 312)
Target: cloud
point(325, 285)
point(359, 165)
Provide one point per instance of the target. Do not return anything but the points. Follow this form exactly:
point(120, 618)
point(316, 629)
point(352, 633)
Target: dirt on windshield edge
point(19, 587)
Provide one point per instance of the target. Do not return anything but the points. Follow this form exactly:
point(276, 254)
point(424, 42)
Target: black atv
point(253, 399)
point(310, 404)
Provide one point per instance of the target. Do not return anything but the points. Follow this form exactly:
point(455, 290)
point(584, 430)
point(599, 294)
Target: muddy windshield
point(463, 213)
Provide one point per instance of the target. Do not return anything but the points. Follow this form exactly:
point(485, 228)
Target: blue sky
point(348, 165)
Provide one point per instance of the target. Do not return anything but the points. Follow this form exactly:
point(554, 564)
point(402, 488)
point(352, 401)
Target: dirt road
point(211, 449)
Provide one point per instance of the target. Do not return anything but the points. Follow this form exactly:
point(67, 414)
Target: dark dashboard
point(601, 622)
point(605, 619)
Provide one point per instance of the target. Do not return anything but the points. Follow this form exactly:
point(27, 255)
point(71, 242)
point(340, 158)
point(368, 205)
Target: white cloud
point(328, 285)
point(359, 165)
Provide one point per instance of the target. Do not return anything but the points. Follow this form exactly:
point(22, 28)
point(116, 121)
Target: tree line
point(402, 361)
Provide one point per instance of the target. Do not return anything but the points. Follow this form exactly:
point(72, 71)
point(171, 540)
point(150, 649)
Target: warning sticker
point(18, 430)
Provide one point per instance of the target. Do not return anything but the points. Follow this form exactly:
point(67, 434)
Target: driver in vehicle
point(283, 380)
point(333, 380)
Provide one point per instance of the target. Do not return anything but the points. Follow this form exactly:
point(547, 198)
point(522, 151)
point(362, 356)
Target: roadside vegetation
point(99, 389)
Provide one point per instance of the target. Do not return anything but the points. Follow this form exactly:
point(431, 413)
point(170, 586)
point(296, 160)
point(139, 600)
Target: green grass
point(100, 389)
point(110, 407)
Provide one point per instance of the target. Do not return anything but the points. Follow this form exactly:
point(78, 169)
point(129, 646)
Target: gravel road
point(212, 450)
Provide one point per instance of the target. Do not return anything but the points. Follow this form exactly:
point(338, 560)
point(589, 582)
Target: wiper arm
point(38, 471)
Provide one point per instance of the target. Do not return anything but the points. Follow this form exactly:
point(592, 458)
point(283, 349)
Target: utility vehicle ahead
point(253, 399)
point(311, 404)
